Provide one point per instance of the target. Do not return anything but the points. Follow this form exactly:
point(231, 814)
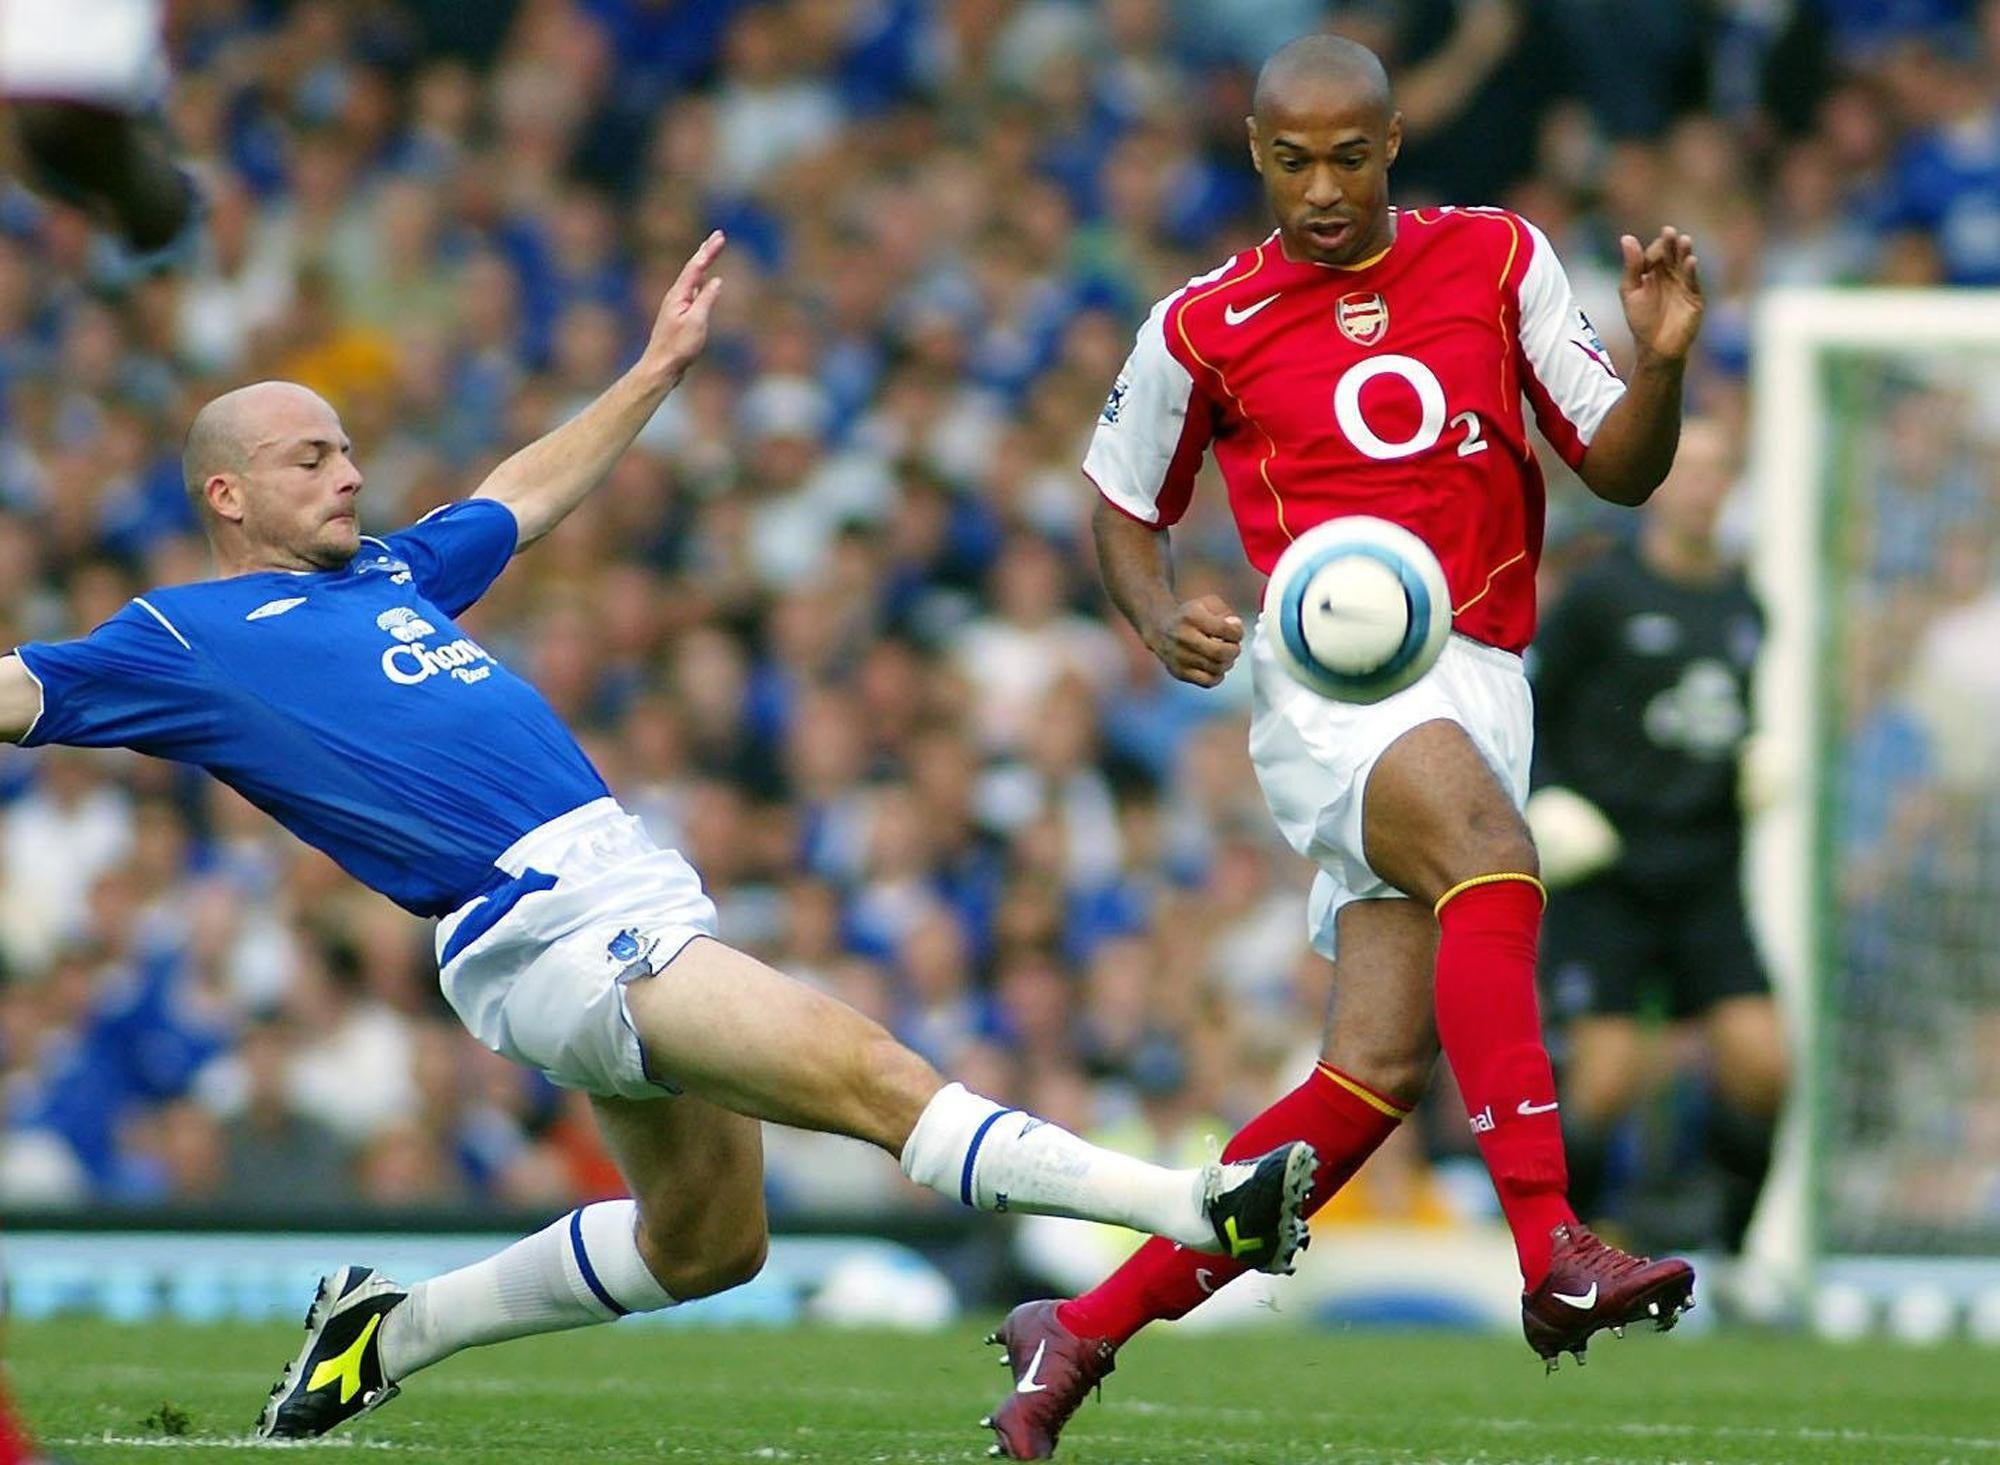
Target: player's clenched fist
point(681, 328)
point(1200, 641)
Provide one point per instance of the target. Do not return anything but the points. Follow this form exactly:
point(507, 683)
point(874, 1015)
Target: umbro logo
point(397, 570)
point(275, 608)
point(1235, 317)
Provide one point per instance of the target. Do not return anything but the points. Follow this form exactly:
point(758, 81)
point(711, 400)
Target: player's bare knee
point(739, 1260)
point(1599, 1095)
point(1757, 1083)
point(728, 1257)
point(1486, 837)
point(719, 1244)
point(1752, 1061)
point(1499, 844)
point(1597, 1105)
point(1396, 1067)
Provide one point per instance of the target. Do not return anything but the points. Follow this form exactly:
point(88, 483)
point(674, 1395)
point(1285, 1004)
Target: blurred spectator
point(74, 825)
point(275, 1154)
point(833, 626)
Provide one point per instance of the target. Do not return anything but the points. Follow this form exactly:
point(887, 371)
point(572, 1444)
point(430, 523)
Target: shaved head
point(225, 432)
point(272, 476)
point(1301, 73)
point(1323, 134)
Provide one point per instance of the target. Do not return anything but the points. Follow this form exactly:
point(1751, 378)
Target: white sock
point(999, 1159)
point(583, 1268)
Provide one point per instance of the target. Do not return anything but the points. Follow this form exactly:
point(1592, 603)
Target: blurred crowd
point(832, 627)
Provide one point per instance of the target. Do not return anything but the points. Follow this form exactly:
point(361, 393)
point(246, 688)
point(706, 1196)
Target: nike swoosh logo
point(1027, 1385)
point(1236, 317)
point(1582, 1302)
point(1204, 1279)
point(1525, 1109)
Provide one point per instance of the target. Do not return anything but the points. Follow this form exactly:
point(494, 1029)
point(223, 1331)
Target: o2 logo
point(1430, 400)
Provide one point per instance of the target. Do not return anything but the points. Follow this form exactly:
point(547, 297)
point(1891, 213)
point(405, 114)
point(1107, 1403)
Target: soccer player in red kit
point(1365, 360)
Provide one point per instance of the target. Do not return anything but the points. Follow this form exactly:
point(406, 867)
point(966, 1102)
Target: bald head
point(1315, 72)
point(272, 475)
point(229, 429)
point(1323, 137)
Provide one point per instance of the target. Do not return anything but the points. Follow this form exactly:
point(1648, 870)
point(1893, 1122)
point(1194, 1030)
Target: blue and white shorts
point(1313, 756)
point(537, 968)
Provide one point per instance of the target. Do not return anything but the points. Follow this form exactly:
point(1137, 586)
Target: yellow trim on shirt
point(1270, 443)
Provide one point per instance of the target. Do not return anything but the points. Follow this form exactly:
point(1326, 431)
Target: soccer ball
point(1357, 608)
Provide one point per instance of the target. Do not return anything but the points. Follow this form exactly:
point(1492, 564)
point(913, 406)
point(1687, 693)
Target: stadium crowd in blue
point(832, 626)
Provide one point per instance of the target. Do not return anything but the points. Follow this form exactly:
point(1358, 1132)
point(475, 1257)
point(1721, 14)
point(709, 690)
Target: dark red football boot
point(1591, 1287)
point(1053, 1370)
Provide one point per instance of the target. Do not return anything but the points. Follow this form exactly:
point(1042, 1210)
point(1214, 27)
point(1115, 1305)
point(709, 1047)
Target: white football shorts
point(594, 905)
point(1313, 755)
point(108, 52)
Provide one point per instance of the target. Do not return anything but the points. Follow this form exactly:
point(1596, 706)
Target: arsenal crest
point(1363, 317)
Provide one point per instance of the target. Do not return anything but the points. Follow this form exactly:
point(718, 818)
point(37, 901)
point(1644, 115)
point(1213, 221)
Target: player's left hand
point(1661, 289)
point(681, 328)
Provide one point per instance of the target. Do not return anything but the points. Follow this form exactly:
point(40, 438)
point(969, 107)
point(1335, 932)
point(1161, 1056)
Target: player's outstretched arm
point(1634, 447)
point(20, 699)
point(552, 475)
point(1199, 640)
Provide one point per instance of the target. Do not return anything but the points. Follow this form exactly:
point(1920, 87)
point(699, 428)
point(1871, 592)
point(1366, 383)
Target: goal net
point(1876, 881)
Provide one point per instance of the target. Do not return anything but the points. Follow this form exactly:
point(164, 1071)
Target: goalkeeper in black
point(1643, 765)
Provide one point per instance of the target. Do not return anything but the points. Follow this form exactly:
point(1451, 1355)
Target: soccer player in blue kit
point(322, 676)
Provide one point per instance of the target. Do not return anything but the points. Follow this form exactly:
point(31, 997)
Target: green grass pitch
point(96, 1391)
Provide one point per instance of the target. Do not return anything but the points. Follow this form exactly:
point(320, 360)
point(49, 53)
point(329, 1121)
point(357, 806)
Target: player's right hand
point(1200, 642)
point(681, 328)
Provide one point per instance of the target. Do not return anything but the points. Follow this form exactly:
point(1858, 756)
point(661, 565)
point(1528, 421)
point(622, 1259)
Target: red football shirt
point(1393, 388)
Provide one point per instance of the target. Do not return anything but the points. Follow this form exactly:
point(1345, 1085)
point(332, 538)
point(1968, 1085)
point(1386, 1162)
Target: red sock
point(1491, 1032)
point(1343, 1119)
point(13, 1443)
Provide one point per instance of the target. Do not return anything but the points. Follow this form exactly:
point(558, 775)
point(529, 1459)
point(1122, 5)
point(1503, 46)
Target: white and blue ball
point(1357, 608)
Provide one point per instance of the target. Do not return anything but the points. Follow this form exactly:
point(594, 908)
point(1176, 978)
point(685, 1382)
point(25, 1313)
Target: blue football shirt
point(346, 704)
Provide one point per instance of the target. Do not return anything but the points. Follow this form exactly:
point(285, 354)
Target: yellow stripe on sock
point(1465, 885)
point(1367, 1096)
